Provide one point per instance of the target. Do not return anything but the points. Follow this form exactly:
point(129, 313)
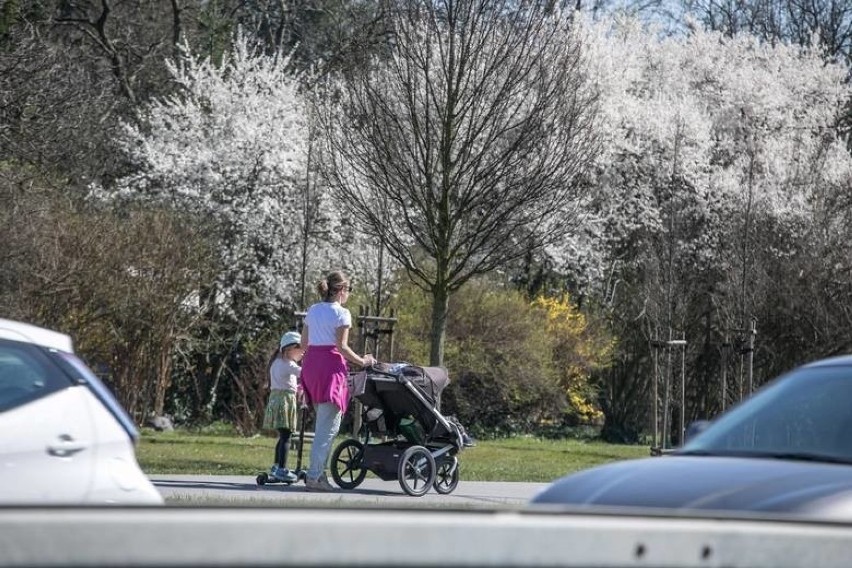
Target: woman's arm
point(342, 336)
point(304, 339)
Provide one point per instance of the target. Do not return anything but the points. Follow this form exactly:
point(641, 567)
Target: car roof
point(27, 333)
point(838, 361)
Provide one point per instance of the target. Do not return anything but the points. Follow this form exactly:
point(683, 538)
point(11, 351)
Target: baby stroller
point(420, 447)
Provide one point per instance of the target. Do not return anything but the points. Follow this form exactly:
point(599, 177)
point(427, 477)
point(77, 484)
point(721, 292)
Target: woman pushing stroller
point(324, 374)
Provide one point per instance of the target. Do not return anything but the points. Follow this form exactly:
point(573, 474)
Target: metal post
point(392, 322)
point(379, 285)
point(683, 392)
point(740, 371)
point(656, 399)
point(666, 390)
point(682, 344)
point(724, 385)
point(362, 328)
point(307, 227)
point(752, 332)
point(357, 408)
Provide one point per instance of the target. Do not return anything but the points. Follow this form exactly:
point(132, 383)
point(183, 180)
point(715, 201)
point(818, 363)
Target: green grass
point(511, 459)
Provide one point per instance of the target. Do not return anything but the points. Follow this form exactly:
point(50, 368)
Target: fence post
point(371, 327)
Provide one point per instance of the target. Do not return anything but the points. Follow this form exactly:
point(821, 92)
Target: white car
point(64, 438)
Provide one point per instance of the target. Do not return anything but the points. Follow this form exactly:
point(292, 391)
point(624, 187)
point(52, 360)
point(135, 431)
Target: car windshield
point(804, 415)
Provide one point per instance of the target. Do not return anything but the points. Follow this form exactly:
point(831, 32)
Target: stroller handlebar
point(374, 370)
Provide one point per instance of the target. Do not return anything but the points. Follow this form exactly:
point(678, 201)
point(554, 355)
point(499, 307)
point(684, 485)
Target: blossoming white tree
point(230, 146)
point(717, 131)
point(719, 156)
point(229, 149)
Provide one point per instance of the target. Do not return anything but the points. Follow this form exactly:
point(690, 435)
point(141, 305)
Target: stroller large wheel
point(347, 464)
point(416, 471)
point(447, 476)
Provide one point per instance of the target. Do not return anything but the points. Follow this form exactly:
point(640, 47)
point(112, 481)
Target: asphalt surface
point(243, 490)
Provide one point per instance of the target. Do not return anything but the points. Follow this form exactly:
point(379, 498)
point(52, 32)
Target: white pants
point(327, 425)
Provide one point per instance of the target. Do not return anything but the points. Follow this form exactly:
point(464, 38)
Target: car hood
point(711, 483)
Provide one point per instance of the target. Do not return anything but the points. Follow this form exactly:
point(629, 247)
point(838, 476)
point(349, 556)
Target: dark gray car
point(787, 449)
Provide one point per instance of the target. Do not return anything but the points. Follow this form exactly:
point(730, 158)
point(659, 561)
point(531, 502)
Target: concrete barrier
point(171, 536)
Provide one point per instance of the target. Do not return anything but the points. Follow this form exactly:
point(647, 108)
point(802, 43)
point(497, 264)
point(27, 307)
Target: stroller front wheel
point(347, 468)
point(416, 471)
point(447, 478)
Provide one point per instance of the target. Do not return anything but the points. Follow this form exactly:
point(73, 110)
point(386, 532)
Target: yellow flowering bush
point(516, 366)
point(578, 349)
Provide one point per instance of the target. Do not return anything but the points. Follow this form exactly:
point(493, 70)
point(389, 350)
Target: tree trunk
point(164, 377)
point(440, 307)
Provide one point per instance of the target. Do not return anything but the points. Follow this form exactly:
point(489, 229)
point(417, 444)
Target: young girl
point(284, 372)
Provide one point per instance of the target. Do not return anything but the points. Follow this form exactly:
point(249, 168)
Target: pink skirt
point(324, 376)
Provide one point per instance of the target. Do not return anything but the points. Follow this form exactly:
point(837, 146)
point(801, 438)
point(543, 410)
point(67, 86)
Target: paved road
point(243, 490)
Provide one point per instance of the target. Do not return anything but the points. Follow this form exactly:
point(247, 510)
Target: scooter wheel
point(262, 479)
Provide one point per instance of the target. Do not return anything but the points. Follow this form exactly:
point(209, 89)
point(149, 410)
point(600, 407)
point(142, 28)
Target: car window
point(26, 375)
point(75, 367)
point(808, 412)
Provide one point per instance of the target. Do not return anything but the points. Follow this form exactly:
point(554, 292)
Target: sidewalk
point(243, 490)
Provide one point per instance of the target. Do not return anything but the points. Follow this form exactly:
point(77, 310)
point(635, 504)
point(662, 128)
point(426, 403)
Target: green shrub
point(498, 354)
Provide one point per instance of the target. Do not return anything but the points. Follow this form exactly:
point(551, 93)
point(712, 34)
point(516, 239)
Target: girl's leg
point(282, 448)
point(327, 426)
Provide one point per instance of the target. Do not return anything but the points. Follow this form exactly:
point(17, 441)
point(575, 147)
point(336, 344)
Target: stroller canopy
point(430, 380)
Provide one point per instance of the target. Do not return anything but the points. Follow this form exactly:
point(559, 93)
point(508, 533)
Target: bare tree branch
point(467, 146)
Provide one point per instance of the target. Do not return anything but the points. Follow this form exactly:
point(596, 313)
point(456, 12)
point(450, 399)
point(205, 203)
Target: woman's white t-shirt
point(323, 319)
